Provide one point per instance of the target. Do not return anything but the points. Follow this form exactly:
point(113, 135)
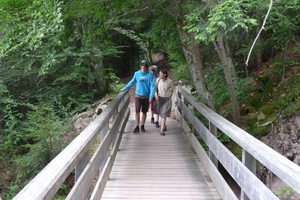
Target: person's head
point(163, 73)
point(144, 65)
point(151, 69)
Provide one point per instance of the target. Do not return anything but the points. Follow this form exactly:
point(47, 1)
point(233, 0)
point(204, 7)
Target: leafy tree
point(221, 25)
point(190, 48)
point(43, 139)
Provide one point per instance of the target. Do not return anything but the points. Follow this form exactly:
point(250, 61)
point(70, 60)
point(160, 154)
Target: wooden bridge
point(111, 162)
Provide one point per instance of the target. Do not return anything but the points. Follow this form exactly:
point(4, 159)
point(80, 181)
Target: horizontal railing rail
point(243, 172)
point(106, 131)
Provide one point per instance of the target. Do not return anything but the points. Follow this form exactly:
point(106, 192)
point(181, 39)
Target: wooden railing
point(243, 172)
point(102, 136)
point(91, 155)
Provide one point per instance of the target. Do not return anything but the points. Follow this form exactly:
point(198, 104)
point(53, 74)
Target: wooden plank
point(151, 166)
point(104, 175)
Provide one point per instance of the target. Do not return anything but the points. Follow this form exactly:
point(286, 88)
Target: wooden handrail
point(45, 184)
point(242, 172)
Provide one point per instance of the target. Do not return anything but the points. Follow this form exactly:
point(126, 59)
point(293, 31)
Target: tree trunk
point(98, 72)
point(224, 54)
point(195, 65)
point(191, 51)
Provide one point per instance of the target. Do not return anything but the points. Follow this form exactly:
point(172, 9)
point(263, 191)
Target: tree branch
point(262, 27)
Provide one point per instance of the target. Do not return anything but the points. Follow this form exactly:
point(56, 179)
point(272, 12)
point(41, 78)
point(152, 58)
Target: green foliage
point(286, 193)
point(223, 138)
point(283, 24)
point(114, 83)
point(281, 65)
point(132, 35)
point(286, 96)
point(229, 16)
point(26, 28)
point(236, 149)
point(218, 86)
point(164, 38)
point(257, 99)
point(267, 110)
point(42, 132)
point(244, 86)
point(203, 144)
point(12, 134)
point(252, 120)
point(4, 98)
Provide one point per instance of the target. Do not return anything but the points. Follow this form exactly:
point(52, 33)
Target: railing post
point(250, 162)
point(179, 100)
point(104, 130)
point(81, 165)
point(213, 158)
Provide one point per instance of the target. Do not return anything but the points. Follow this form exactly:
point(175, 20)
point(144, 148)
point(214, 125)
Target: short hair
point(164, 71)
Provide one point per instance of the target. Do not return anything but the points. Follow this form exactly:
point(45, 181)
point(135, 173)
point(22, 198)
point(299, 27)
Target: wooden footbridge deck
point(110, 162)
point(151, 166)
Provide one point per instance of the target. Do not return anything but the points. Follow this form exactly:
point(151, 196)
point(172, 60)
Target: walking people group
point(148, 83)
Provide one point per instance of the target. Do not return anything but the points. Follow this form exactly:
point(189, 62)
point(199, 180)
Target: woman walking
point(163, 94)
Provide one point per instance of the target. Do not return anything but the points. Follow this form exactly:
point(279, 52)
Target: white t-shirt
point(165, 88)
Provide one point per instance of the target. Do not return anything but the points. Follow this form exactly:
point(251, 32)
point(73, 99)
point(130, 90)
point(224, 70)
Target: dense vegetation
point(57, 57)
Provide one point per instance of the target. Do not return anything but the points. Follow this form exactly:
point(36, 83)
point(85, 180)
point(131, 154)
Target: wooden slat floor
point(151, 166)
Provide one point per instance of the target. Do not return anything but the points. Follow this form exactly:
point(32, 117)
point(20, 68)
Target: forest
point(57, 57)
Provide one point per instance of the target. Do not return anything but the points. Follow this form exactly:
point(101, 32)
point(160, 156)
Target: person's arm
point(173, 92)
point(156, 88)
point(152, 89)
point(130, 84)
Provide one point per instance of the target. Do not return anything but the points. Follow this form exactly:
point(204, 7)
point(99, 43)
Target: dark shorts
point(141, 104)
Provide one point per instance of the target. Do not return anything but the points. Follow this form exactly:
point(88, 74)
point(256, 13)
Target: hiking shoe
point(152, 120)
point(156, 124)
point(143, 128)
point(136, 130)
point(162, 133)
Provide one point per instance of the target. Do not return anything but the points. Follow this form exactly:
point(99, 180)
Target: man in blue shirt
point(144, 93)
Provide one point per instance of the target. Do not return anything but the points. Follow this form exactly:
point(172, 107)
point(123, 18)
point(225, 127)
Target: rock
point(297, 160)
point(284, 139)
point(82, 123)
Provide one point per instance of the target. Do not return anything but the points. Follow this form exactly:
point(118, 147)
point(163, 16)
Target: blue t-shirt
point(144, 84)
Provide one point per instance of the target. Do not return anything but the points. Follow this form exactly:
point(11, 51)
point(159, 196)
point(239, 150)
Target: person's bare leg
point(162, 125)
point(144, 116)
point(152, 117)
point(157, 117)
point(137, 123)
point(156, 121)
point(137, 119)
